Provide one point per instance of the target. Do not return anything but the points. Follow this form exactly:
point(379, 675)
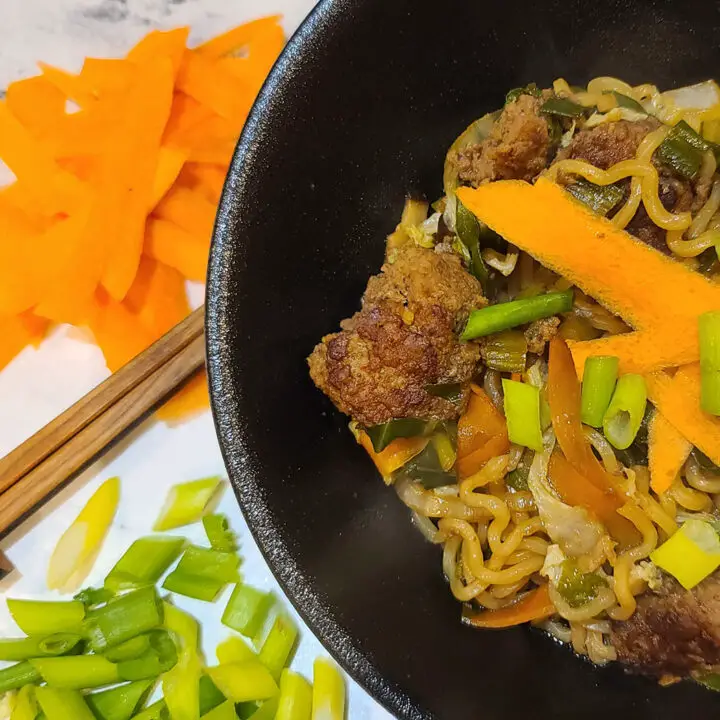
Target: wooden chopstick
point(36, 469)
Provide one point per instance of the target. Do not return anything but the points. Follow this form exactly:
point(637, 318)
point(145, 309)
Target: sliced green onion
point(90, 597)
point(244, 681)
point(156, 711)
point(504, 316)
point(445, 450)
point(267, 710)
point(562, 107)
point(278, 645)
point(219, 534)
point(691, 554)
point(209, 696)
point(181, 685)
point(124, 618)
point(77, 672)
point(25, 705)
point(210, 564)
point(35, 617)
point(247, 610)
point(522, 411)
point(506, 351)
point(144, 563)
point(427, 469)
point(160, 657)
point(626, 101)
point(625, 413)
point(61, 704)
point(186, 503)
point(382, 435)
point(119, 703)
point(193, 586)
point(468, 229)
point(599, 378)
point(295, 697)
point(452, 392)
point(35, 647)
point(129, 650)
point(601, 199)
point(226, 711)
point(233, 650)
point(17, 676)
point(709, 328)
point(328, 701)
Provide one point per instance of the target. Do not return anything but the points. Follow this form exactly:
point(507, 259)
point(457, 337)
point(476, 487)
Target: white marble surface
point(40, 383)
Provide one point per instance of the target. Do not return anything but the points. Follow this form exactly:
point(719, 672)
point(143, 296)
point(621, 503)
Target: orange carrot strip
point(251, 37)
point(73, 87)
point(189, 211)
point(192, 399)
point(535, 605)
point(395, 455)
point(175, 247)
point(169, 164)
point(185, 116)
point(102, 75)
point(667, 452)
point(158, 43)
point(678, 399)
point(205, 178)
point(146, 108)
point(36, 103)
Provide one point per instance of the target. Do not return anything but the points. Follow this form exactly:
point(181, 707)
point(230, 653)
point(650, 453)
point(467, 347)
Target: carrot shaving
point(667, 452)
point(175, 247)
point(188, 210)
point(170, 44)
point(72, 86)
point(535, 605)
point(395, 455)
point(101, 75)
point(206, 178)
point(170, 162)
point(36, 103)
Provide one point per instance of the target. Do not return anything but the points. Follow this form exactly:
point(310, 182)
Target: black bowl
point(359, 112)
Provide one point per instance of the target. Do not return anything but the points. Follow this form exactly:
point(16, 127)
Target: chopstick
point(31, 473)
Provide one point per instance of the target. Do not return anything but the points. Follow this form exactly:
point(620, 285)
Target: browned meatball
point(517, 148)
point(673, 631)
point(541, 332)
point(404, 338)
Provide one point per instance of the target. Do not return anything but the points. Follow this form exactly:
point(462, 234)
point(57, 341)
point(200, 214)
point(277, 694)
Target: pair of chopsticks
point(31, 473)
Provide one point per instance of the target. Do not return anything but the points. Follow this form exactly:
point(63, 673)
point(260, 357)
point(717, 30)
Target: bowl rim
point(224, 402)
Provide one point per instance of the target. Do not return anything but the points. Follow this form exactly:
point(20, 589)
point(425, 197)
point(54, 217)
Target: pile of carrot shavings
point(118, 173)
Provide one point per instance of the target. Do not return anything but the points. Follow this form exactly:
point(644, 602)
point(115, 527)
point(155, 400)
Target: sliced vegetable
point(709, 328)
point(295, 697)
point(625, 413)
point(61, 704)
point(328, 700)
point(578, 588)
point(506, 351)
point(445, 449)
point(210, 697)
point(677, 154)
point(17, 676)
point(247, 610)
point(219, 534)
point(691, 554)
point(129, 650)
point(37, 617)
point(427, 467)
point(234, 650)
point(598, 386)
point(534, 605)
point(160, 657)
point(193, 586)
point(278, 646)
point(181, 685)
point(515, 93)
point(522, 412)
point(517, 479)
point(667, 452)
point(562, 107)
point(626, 101)
point(382, 435)
point(78, 547)
point(226, 711)
point(601, 199)
point(468, 230)
point(77, 672)
point(144, 563)
point(452, 392)
point(395, 455)
point(36, 647)
point(211, 564)
point(504, 316)
point(186, 503)
point(119, 703)
point(244, 681)
point(25, 705)
point(123, 618)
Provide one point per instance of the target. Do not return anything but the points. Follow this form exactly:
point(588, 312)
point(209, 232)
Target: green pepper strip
point(382, 435)
point(562, 107)
point(599, 198)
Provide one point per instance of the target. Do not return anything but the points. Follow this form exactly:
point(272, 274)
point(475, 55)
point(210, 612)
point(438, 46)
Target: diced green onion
point(627, 102)
point(599, 378)
point(192, 586)
point(35, 647)
point(244, 681)
point(77, 672)
point(445, 450)
point(427, 469)
point(295, 697)
point(328, 691)
point(506, 351)
point(209, 695)
point(278, 645)
point(266, 711)
point(25, 705)
point(382, 435)
point(90, 597)
point(226, 711)
point(504, 316)
point(247, 610)
point(186, 503)
point(211, 564)
point(144, 563)
point(233, 650)
point(124, 618)
point(522, 411)
point(120, 702)
point(447, 391)
point(468, 230)
point(61, 704)
point(601, 199)
point(35, 617)
point(625, 413)
point(17, 676)
point(156, 711)
point(691, 554)
point(562, 107)
point(709, 328)
point(160, 657)
point(219, 534)
point(129, 650)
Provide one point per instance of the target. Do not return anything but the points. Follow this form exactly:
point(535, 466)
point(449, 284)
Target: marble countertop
point(42, 382)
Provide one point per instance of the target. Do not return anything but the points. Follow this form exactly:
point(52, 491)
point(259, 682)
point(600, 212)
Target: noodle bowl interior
point(536, 371)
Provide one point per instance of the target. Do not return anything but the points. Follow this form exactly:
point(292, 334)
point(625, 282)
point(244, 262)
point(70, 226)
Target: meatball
point(541, 332)
point(517, 148)
point(404, 338)
point(673, 631)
